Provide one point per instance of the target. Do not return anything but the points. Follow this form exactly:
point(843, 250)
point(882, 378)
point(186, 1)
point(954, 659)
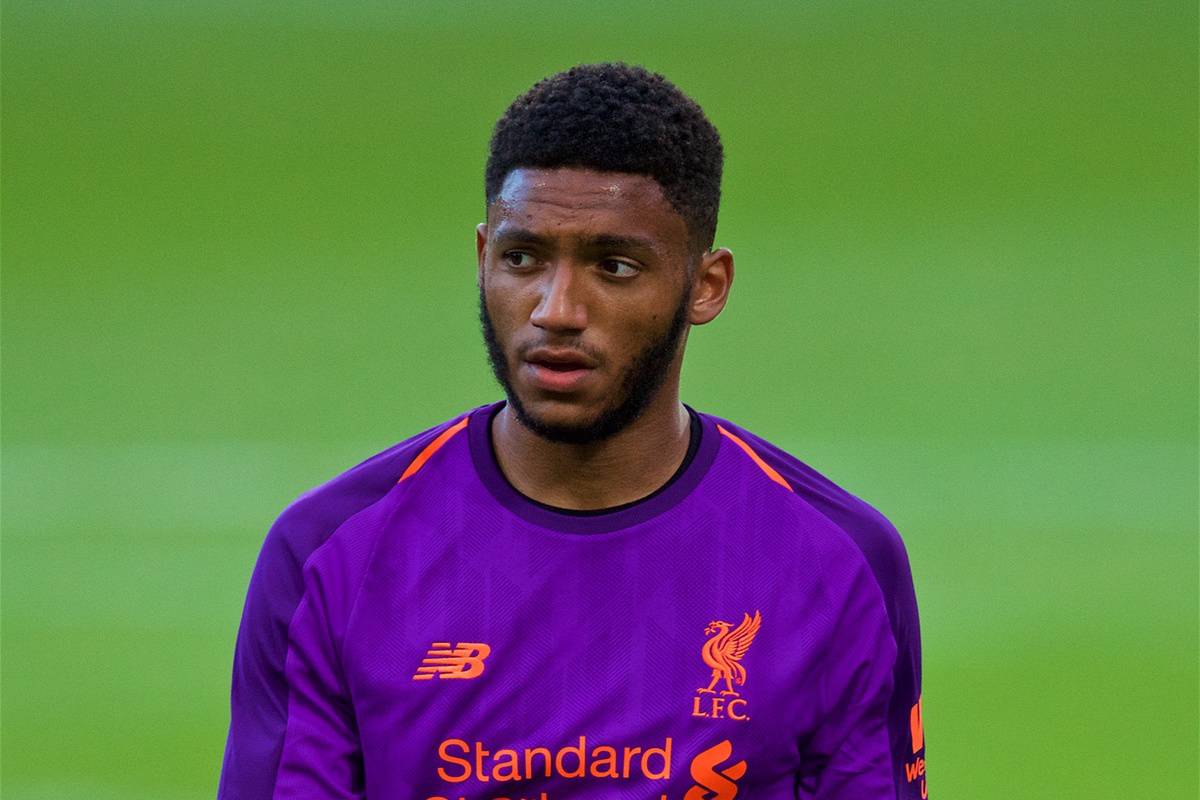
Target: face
point(587, 288)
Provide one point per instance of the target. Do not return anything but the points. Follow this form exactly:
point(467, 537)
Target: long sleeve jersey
point(417, 628)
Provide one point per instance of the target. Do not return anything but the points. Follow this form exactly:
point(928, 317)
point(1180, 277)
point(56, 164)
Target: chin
point(561, 420)
point(560, 412)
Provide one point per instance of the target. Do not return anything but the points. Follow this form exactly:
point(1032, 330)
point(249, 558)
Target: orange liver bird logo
point(724, 651)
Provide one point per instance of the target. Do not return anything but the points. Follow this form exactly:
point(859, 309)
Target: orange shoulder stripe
point(432, 448)
point(764, 466)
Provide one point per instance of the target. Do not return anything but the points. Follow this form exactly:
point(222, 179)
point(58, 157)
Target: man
point(588, 590)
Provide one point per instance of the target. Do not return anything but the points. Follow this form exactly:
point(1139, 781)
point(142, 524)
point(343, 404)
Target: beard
point(642, 380)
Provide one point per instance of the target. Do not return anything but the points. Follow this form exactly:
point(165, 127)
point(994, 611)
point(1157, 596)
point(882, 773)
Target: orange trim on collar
point(432, 448)
point(764, 466)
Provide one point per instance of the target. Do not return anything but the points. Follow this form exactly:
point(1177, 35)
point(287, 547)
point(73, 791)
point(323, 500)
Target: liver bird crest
point(724, 651)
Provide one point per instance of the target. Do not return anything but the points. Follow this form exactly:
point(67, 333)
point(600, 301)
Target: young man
point(588, 590)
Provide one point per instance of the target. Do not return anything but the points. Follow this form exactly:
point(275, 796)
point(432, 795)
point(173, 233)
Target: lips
point(558, 369)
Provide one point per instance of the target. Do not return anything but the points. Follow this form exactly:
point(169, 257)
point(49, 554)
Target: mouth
point(558, 370)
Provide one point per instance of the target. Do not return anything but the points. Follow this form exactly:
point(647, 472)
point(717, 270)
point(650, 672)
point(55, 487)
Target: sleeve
point(849, 756)
point(321, 757)
point(291, 730)
point(903, 708)
point(906, 725)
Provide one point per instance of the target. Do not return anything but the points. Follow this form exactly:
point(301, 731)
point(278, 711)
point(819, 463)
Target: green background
point(238, 258)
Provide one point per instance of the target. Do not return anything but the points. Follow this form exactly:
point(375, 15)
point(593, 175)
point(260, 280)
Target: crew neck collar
point(600, 521)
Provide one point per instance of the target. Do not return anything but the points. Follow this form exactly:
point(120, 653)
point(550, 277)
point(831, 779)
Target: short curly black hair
point(616, 118)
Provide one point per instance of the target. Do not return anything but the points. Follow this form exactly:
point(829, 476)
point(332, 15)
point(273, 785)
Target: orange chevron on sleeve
point(432, 448)
point(764, 466)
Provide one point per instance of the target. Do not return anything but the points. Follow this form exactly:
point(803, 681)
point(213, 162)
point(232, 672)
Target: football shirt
point(418, 628)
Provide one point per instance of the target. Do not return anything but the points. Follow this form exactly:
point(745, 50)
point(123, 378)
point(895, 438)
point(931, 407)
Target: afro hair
point(616, 118)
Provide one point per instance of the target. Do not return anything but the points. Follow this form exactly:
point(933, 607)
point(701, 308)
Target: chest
point(507, 662)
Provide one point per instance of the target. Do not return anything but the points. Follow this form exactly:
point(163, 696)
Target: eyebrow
point(511, 233)
point(601, 241)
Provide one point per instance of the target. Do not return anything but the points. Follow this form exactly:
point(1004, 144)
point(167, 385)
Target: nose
point(561, 307)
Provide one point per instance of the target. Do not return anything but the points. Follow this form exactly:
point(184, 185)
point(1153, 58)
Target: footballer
point(587, 589)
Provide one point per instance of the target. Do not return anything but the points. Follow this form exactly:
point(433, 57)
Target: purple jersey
point(417, 628)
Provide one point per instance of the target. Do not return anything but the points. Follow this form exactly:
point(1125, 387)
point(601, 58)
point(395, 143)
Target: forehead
point(568, 199)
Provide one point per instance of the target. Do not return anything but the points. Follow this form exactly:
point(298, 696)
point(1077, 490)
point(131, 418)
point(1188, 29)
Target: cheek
point(504, 308)
point(632, 334)
point(510, 296)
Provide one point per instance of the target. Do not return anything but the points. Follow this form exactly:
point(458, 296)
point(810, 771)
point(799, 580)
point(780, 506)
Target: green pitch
point(238, 257)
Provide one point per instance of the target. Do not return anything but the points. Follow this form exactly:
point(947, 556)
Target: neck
point(623, 468)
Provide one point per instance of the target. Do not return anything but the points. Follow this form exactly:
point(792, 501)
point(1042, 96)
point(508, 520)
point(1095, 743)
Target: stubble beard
point(641, 382)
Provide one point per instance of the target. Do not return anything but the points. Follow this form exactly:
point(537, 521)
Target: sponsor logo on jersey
point(713, 783)
point(473, 761)
point(915, 770)
point(461, 761)
point(463, 660)
point(723, 654)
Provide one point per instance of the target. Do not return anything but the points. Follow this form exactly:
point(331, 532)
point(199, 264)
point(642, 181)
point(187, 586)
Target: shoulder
point(277, 583)
point(870, 531)
point(312, 518)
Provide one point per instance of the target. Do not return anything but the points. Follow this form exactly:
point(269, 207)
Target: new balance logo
point(464, 660)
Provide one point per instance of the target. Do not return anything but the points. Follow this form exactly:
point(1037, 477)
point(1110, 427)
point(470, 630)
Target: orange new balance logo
point(464, 660)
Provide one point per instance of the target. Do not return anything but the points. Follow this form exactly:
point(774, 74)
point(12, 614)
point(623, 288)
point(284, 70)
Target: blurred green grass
point(237, 258)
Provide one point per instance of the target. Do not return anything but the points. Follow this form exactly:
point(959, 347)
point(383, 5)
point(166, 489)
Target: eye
point(619, 269)
point(518, 259)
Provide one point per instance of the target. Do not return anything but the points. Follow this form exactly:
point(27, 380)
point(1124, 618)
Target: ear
point(481, 231)
point(710, 286)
